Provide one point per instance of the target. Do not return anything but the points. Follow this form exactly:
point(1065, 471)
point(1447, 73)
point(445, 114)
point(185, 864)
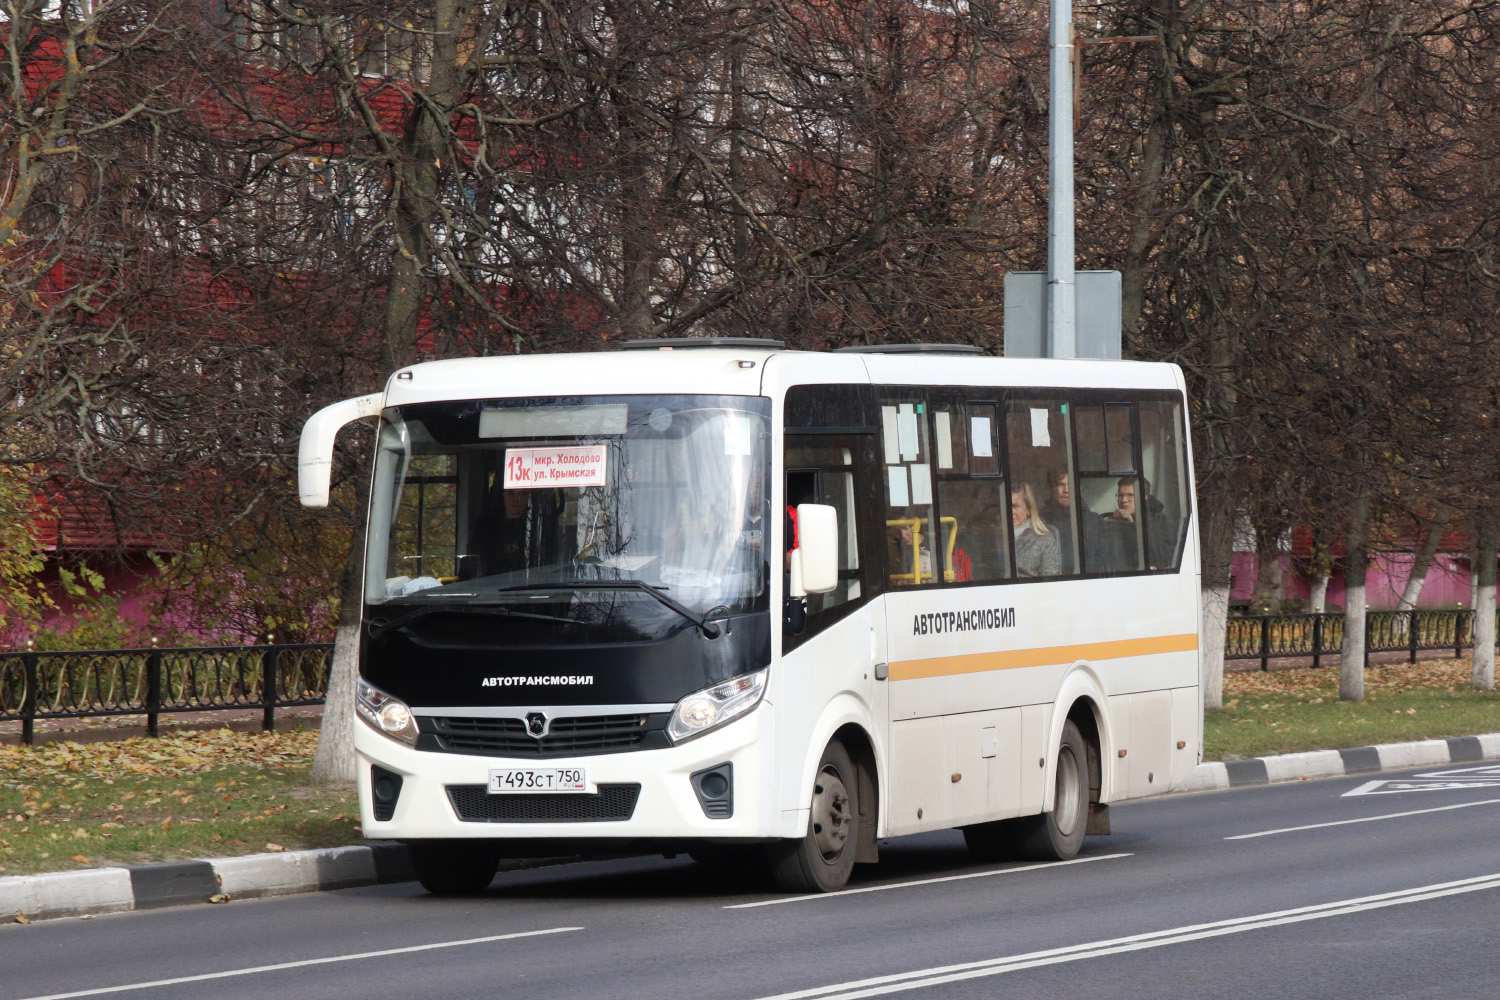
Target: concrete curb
point(173, 883)
point(1337, 763)
point(142, 887)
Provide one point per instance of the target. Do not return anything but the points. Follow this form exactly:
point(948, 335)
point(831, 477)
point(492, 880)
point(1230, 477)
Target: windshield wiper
point(709, 628)
point(464, 609)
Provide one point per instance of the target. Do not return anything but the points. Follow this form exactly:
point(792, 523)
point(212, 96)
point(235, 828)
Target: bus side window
point(972, 501)
point(832, 483)
point(1039, 443)
point(913, 543)
point(1164, 510)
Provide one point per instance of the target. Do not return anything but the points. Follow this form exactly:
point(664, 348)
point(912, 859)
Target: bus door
point(834, 644)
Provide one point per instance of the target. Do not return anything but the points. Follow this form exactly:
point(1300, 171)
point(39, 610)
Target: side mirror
point(315, 450)
point(815, 560)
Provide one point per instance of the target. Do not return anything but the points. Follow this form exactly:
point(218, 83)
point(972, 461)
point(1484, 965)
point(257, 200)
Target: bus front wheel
point(1058, 835)
point(454, 867)
point(822, 860)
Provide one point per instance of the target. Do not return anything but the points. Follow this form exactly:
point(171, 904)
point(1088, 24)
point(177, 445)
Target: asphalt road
point(1391, 890)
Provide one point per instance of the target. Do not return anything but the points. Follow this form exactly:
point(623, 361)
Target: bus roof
point(740, 371)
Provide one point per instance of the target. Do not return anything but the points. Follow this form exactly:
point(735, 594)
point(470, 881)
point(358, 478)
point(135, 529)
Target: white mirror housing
point(815, 560)
point(315, 452)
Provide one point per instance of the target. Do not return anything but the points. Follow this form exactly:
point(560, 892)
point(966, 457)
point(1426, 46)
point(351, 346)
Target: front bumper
point(667, 808)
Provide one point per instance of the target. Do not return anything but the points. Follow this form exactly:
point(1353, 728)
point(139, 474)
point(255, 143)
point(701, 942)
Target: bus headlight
point(713, 706)
point(385, 714)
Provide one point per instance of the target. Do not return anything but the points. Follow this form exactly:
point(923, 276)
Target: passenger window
point(1039, 448)
point(914, 548)
point(975, 504)
point(1163, 462)
point(1112, 540)
point(824, 474)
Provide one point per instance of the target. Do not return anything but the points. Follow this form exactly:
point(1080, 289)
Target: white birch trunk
point(333, 764)
point(1423, 561)
point(1482, 674)
point(1318, 594)
point(1211, 644)
point(1352, 656)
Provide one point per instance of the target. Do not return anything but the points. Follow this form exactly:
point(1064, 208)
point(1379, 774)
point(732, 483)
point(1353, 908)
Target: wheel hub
point(830, 814)
point(1069, 790)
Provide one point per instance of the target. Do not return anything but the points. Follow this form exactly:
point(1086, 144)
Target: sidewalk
point(24, 898)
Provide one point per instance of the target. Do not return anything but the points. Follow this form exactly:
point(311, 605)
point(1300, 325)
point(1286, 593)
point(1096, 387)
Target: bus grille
point(474, 804)
point(584, 734)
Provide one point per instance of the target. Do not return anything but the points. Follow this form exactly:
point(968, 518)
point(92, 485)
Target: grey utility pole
point(1062, 337)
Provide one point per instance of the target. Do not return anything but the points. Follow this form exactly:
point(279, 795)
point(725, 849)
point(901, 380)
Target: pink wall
point(1447, 583)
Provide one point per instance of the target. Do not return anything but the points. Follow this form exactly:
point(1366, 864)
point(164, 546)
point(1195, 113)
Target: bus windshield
point(497, 501)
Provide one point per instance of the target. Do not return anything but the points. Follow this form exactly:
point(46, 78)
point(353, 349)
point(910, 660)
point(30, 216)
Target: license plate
point(510, 780)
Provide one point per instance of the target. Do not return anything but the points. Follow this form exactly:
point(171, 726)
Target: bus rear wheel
point(822, 860)
point(454, 867)
point(1058, 835)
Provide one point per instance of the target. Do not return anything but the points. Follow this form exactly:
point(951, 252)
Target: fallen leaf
point(81, 859)
point(22, 918)
point(274, 847)
point(219, 897)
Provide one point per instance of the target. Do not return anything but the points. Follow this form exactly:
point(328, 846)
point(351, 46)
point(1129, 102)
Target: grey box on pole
point(1097, 294)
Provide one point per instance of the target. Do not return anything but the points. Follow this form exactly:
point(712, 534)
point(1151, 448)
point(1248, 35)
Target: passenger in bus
point(510, 530)
point(1160, 529)
point(1037, 549)
point(1057, 513)
point(907, 569)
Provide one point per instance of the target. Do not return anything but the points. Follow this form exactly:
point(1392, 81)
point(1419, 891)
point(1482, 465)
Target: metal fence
point(1267, 637)
point(154, 682)
point(151, 682)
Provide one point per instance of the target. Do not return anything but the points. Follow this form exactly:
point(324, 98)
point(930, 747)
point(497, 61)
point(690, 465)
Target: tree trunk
point(1216, 539)
point(1482, 676)
point(1423, 561)
point(333, 763)
point(1320, 568)
point(1267, 597)
point(1318, 593)
point(413, 207)
point(1352, 659)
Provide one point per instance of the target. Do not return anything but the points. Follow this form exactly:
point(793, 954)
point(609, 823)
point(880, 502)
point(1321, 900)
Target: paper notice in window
point(979, 437)
point(896, 486)
point(539, 468)
point(888, 426)
point(921, 484)
point(944, 439)
point(739, 438)
point(1039, 436)
point(907, 425)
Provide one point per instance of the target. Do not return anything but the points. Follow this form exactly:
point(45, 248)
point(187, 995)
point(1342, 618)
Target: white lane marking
point(919, 978)
point(253, 970)
point(1482, 776)
point(925, 881)
point(1363, 819)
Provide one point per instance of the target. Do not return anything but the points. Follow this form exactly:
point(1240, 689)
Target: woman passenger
point(1037, 549)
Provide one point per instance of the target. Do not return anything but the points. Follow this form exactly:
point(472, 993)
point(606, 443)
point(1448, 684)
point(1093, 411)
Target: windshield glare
point(481, 501)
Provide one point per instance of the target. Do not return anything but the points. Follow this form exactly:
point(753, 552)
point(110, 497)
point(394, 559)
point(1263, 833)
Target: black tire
point(454, 867)
point(822, 860)
point(1058, 835)
point(993, 841)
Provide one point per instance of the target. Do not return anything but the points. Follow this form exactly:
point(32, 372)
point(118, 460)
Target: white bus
point(718, 597)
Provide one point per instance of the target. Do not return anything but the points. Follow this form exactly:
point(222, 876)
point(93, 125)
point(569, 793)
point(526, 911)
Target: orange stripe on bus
point(973, 663)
